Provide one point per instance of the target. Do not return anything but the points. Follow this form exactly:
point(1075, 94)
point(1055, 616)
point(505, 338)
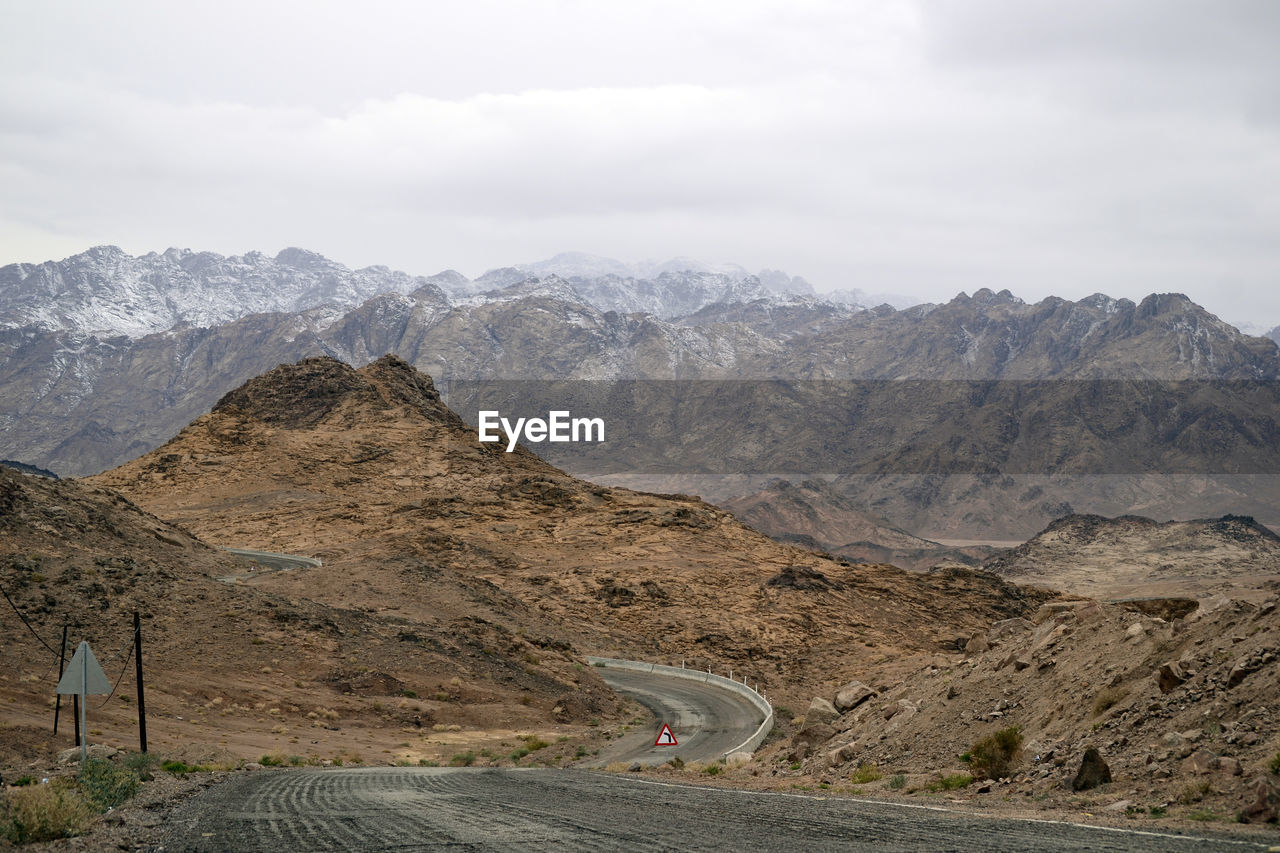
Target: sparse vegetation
point(1275, 764)
point(105, 784)
point(994, 755)
point(1194, 792)
point(864, 774)
point(143, 764)
point(677, 762)
point(712, 769)
point(950, 783)
point(463, 759)
point(271, 759)
point(180, 768)
point(37, 813)
point(898, 782)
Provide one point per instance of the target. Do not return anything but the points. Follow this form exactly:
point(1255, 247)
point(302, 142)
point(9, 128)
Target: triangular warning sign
point(665, 737)
point(83, 674)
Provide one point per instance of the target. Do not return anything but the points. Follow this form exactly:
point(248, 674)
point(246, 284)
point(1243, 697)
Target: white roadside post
point(84, 676)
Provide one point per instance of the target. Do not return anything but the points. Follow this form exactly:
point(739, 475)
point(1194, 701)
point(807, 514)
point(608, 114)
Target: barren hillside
point(1133, 556)
point(370, 472)
point(236, 670)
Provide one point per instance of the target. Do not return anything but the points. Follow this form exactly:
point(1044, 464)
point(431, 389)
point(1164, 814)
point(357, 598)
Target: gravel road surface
point(407, 809)
point(706, 720)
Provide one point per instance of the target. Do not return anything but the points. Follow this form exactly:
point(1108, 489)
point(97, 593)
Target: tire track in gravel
point(408, 809)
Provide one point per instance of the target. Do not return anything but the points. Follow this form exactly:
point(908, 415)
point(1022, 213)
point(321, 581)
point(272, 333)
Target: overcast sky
point(919, 147)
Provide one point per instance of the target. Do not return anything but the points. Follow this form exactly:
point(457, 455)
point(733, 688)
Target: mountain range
point(104, 356)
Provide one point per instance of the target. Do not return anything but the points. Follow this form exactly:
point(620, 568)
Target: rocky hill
point(1132, 556)
point(815, 515)
point(235, 670)
point(369, 471)
point(1177, 702)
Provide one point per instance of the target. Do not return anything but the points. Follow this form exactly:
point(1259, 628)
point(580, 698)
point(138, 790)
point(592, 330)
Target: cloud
point(886, 145)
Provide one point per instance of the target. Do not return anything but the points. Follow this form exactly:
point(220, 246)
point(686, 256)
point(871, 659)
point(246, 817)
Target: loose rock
point(1092, 773)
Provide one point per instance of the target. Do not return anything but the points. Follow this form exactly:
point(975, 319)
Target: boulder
point(1092, 773)
point(95, 750)
point(906, 710)
point(1169, 676)
point(1202, 762)
point(1263, 800)
point(977, 644)
point(734, 759)
point(893, 710)
point(852, 695)
point(1241, 671)
point(1178, 744)
point(821, 711)
point(843, 755)
point(1006, 628)
point(813, 734)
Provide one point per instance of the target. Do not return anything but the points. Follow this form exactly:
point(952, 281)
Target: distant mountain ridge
point(105, 291)
point(76, 402)
point(1134, 555)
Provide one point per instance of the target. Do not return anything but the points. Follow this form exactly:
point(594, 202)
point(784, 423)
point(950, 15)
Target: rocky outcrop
point(852, 695)
point(1092, 773)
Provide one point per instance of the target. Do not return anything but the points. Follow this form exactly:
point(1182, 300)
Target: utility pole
point(62, 662)
point(142, 702)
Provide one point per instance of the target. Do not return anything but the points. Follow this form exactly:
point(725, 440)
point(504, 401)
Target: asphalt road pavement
point(706, 720)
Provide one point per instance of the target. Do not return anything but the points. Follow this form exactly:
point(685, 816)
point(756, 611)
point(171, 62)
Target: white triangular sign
point(84, 674)
point(665, 737)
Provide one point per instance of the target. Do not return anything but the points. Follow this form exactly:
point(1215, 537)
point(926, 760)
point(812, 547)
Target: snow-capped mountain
point(105, 291)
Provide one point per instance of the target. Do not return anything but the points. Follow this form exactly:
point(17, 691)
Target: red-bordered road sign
point(665, 737)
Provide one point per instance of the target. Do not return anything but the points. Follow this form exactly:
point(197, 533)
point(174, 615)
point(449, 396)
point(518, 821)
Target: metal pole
point(84, 702)
point(75, 714)
point(62, 662)
point(142, 702)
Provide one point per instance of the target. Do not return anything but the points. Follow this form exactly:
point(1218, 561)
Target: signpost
point(84, 676)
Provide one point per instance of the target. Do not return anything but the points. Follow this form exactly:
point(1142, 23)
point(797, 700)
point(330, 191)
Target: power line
point(127, 645)
point(123, 670)
point(51, 649)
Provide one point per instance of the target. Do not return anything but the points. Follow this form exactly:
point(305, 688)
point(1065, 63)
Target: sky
point(925, 148)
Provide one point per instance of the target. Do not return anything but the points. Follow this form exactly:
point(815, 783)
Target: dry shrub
point(994, 755)
point(43, 813)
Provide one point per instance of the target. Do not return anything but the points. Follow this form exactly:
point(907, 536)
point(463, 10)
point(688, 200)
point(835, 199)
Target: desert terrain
point(460, 587)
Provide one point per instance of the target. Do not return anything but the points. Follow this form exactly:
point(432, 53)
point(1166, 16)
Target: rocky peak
point(303, 259)
point(294, 396)
point(299, 396)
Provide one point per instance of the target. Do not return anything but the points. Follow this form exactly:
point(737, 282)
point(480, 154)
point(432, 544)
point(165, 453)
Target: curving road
point(267, 562)
point(706, 720)
point(410, 809)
